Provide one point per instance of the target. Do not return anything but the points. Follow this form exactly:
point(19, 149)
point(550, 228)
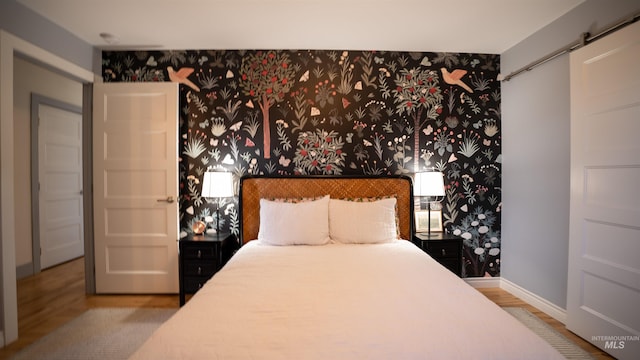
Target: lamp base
point(429, 219)
point(218, 219)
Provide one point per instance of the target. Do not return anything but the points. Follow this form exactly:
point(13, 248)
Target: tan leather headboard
point(254, 188)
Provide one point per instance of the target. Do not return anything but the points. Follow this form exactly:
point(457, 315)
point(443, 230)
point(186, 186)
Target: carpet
point(116, 333)
point(566, 347)
point(102, 333)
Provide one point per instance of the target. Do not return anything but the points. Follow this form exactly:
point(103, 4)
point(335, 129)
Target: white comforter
point(384, 301)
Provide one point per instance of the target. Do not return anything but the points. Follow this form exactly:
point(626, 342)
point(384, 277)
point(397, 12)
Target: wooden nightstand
point(200, 257)
point(444, 248)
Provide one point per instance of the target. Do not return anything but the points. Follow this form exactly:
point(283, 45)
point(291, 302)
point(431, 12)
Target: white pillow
point(302, 223)
point(372, 222)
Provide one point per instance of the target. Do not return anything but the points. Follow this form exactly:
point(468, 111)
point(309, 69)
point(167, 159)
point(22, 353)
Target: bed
point(295, 293)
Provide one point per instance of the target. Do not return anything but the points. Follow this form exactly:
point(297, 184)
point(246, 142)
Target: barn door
point(604, 245)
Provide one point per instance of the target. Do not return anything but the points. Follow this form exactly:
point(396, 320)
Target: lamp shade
point(217, 184)
point(429, 183)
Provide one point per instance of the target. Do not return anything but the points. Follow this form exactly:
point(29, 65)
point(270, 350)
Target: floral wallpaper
point(301, 112)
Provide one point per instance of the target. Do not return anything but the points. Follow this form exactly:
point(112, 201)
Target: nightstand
point(444, 248)
point(200, 257)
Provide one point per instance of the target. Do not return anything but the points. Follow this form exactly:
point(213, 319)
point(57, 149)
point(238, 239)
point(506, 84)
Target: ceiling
point(474, 26)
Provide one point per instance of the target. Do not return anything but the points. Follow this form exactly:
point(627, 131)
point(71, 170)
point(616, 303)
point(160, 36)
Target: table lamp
point(429, 184)
point(217, 184)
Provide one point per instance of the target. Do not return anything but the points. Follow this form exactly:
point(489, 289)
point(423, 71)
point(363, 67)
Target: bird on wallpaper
point(181, 76)
point(455, 78)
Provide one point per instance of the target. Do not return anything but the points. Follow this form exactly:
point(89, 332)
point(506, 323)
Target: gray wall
point(20, 21)
point(535, 147)
point(34, 79)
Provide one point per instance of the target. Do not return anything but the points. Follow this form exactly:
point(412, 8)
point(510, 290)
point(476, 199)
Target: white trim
point(31, 51)
point(534, 300)
point(9, 46)
point(483, 282)
point(527, 296)
point(9, 297)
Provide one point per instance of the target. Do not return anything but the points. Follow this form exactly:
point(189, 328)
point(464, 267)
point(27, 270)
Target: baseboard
point(483, 282)
point(527, 296)
point(534, 300)
point(22, 271)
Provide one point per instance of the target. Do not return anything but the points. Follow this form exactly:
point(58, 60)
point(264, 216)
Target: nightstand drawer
point(199, 268)
point(194, 283)
point(201, 256)
point(443, 249)
point(199, 251)
point(452, 264)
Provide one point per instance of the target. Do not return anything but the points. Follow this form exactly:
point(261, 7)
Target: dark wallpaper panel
point(337, 112)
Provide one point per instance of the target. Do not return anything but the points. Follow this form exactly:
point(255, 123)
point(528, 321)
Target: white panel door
point(60, 177)
point(604, 247)
point(135, 149)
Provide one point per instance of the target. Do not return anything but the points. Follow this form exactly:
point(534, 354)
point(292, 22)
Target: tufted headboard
point(254, 188)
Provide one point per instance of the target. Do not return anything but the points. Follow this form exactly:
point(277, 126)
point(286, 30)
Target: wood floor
point(57, 296)
point(505, 299)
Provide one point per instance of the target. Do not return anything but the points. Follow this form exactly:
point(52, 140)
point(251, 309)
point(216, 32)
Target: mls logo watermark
point(615, 342)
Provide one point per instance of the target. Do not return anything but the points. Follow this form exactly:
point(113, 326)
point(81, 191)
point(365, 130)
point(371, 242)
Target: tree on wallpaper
point(417, 91)
point(315, 112)
point(266, 76)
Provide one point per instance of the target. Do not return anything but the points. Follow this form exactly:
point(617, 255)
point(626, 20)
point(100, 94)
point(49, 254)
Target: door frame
point(10, 45)
point(87, 179)
point(36, 101)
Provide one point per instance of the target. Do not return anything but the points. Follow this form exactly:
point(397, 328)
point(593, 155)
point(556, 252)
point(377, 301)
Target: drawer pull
point(444, 252)
point(199, 254)
point(199, 270)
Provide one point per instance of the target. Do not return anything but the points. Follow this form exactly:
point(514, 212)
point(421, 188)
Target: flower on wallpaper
point(490, 127)
point(207, 81)
point(283, 137)
point(144, 74)
point(194, 146)
point(234, 219)
point(479, 82)
point(481, 242)
point(252, 124)
point(319, 152)
point(442, 142)
point(175, 57)
point(194, 191)
point(325, 93)
point(426, 156)
point(217, 126)
point(469, 145)
point(194, 99)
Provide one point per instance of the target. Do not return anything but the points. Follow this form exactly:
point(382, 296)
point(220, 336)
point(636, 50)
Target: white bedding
point(380, 301)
